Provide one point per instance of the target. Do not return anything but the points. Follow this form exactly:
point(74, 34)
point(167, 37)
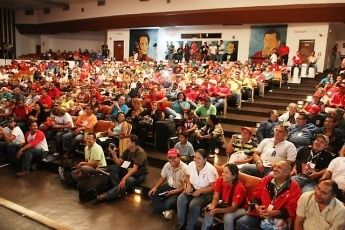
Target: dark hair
point(273, 31)
point(90, 106)
point(91, 134)
point(117, 115)
point(183, 134)
point(214, 119)
point(332, 184)
point(303, 115)
point(203, 153)
point(181, 93)
point(134, 139)
point(234, 171)
point(285, 128)
point(144, 34)
point(331, 117)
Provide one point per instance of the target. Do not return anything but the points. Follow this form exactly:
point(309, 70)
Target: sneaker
point(168, 214)
point(61, 171)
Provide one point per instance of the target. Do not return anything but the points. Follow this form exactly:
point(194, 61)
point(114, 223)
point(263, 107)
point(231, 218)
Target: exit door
point(305, 48)
point(118, 50)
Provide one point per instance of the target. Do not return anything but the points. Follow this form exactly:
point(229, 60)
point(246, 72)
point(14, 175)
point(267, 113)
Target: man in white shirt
point(12, 137)
point(221, 48)
point(335, 171)
point(62, 123)
point(270, 151)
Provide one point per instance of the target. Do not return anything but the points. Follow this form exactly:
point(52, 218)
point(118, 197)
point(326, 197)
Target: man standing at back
point(320, 209)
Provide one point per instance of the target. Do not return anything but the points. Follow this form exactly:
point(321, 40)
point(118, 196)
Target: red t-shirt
point(157, 97)
point(238, 194)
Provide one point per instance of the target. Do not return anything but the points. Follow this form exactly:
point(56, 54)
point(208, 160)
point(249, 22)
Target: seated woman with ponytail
point(229, 197)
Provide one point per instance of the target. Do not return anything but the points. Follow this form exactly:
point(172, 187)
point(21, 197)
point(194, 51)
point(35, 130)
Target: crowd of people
point(56, 109)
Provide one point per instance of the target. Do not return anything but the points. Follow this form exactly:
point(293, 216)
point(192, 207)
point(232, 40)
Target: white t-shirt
point(63, 120)
point(271, 153)
point(18, 133)
point(213, 49)
point(337, 167)
point(221, 49)
point(204, 178)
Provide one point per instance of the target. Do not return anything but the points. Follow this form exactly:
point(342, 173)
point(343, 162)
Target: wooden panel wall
point(230, 16)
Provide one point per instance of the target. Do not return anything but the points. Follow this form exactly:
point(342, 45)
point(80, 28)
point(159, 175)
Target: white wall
point(118, 35)
point(236, 33)
point(295, 33)
point(26, 44)
point(116, 7)
point(73, 41)
point(309, 31)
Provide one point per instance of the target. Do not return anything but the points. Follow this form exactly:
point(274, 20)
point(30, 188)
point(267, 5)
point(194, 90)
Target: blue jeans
point(248, 223)
point(70, 141)
point(251, 169)
point(28, 155)
point(193, 205)
point(162, 203)
point(229, 219)
point(305, 183)
point(116, 174)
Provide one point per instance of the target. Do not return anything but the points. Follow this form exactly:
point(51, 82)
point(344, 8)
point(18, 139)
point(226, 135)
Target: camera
point(112, 146)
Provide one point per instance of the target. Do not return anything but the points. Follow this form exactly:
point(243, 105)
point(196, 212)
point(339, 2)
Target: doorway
point(305, 48)
point(118, 50)
point(38, 49)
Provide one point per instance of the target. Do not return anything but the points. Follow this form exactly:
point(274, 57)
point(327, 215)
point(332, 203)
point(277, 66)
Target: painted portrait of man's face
point(230, 48)
point(143, 45)
point(270, 42)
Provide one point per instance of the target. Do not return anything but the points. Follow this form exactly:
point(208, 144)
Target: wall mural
point(263, 39)
point(143, 44)
point(230, 50)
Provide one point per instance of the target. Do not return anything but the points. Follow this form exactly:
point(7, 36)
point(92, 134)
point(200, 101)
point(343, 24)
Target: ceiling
point(39, 4)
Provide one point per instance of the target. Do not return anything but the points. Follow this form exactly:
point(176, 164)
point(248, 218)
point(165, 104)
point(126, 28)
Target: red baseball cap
point(173, 153)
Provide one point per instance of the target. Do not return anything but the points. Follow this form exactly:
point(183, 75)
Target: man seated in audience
point(222, 92)
point(320, 209)
point(335, 171)
point(12, 138)
point(266, 128)
point(315, 101)
point(311, 163)
point(324, 81)
point(248, 85)
point(335, 135)
point(61, 124)
point(119, 106)
point(185, 148)
point(314, 116)
point(205, 110)
point(338, 98)
point(130, 169)
point(296, 62)
point(165, 192)
point(84, 124)
point(94, 158)
point(270, 151)
point(35, 147)
point(274, 201)
point(301, 133)
point(289, 117)
point(241, 147)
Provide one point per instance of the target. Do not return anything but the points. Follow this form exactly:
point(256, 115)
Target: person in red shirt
point(192, 93)
point(338, 99)
point(46, 101)
point(157, 96)
point(54, 92)
point(274, 201)
point(284, 51)
point(35, 146)
point(222, 91)
point(232, 193)
point(296, 62)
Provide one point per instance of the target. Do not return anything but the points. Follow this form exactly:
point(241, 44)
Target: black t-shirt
point(137, 157)
point(320, 159)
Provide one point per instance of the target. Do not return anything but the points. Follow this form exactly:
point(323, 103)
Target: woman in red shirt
point(229, 198)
